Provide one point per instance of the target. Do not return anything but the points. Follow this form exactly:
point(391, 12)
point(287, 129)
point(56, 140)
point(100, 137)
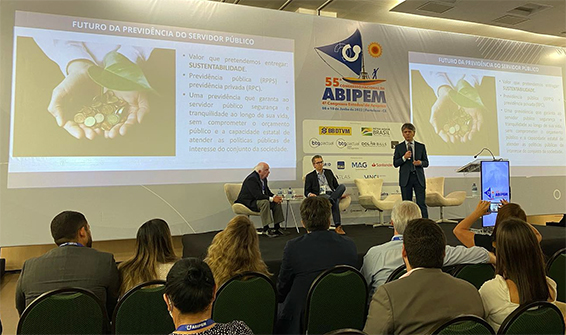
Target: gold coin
point(452, 130)
point(446, 127)
point(99, 118)
point(107, 109)
point(90, 121)
point(112, 99)
point(113, 119)
point(79, 118)
point(87, 111)
point(457, 127)
point(106, 125)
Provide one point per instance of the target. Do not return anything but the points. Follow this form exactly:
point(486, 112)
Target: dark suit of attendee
point(424, 296)
point(411, 159)
point(72, 264)
point(332, 190)
point(304, 258)
point(256, 195)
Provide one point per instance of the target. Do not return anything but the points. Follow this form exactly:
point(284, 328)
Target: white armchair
point(232, 191)
point(370, 197)
point(435, 197)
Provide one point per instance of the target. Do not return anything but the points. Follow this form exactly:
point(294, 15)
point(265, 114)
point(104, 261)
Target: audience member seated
point(305, 257)
point(235, 250)
point(506, 210)
point(189, 293)
point(424, 296)
point(153, 258)
point(520, 275)
point(381, 260)
point(72, 264)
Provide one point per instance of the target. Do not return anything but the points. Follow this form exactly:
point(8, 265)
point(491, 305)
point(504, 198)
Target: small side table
point(289, 201)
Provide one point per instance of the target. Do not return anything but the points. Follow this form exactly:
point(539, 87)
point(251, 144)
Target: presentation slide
point(101, 103)
point(461, 105)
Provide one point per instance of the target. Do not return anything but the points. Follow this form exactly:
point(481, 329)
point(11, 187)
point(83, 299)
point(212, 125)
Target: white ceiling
point(543, 21)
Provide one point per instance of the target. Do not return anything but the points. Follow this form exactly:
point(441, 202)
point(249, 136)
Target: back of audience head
point(424, 244)
point(402, 213)
point(520, 259)
point(235, 250)
point(70, 226)
point(190, 287)
point(154, 240)
point(508, 211)
point(154, 246)
point(315, 213)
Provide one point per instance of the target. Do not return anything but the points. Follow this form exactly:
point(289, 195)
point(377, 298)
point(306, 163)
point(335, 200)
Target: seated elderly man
point(381, 260)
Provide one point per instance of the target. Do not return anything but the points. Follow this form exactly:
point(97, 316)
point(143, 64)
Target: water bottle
point(474, 190)
point(280, 192)
point(290, 193)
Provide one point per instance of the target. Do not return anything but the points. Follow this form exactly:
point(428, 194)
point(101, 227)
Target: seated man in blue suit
point(307, 256)
point(323, 182)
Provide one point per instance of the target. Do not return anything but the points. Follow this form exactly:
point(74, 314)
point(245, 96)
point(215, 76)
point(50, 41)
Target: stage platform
point(365, 237)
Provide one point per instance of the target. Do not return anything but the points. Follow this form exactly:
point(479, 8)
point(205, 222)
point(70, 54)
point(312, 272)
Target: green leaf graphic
point(465, 95)
point(119, 74)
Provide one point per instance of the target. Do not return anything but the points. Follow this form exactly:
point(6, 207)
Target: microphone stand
point(486, 149)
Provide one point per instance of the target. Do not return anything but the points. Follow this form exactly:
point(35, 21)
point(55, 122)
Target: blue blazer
point(405, 167)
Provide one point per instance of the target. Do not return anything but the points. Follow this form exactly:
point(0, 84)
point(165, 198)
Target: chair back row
point(539, 317)
point(141, 310)
point(475, 274)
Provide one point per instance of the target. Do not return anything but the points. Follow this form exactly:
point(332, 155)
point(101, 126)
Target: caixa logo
point(359, 165)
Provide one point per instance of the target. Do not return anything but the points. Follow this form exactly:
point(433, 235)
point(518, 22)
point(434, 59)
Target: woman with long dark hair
point(153, 258)
point(520, 273)
point(189, 293)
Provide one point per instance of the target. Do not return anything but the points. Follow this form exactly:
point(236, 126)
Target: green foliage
point(119, 74)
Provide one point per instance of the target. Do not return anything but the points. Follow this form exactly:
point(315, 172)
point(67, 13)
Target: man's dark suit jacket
point(312, 185)
point(405, 167)
point(69, 266)
point(251, 192)
point(304, 258)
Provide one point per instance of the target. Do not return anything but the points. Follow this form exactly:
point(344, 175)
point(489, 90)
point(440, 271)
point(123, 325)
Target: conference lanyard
point(71, 243)
point(195, 326)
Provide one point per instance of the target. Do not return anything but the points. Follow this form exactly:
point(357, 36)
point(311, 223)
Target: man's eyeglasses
point(316, 163)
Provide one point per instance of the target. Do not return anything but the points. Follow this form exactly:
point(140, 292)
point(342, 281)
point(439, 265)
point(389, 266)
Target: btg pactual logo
point(314, 143)
point(341, 143)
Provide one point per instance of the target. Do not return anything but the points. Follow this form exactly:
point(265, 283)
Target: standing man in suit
point(411, 159)
point(72, 264)
point(307, 256)
point(424, 296)
point(256, 195)
point(323, 182)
